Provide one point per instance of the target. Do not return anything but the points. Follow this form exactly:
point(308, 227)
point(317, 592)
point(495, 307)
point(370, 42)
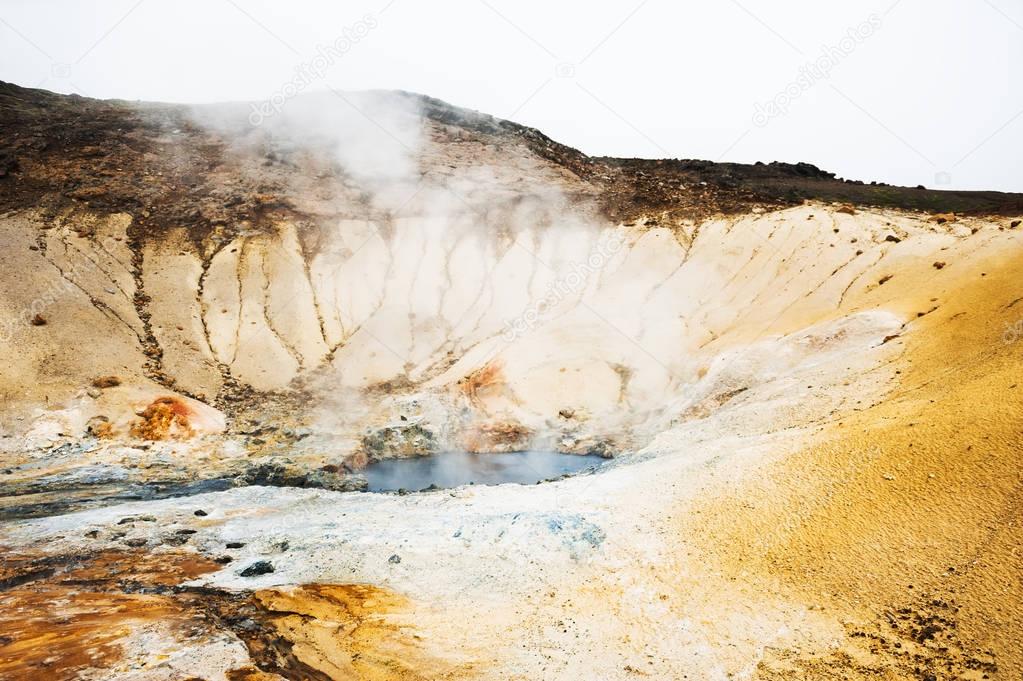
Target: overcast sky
point(908, 92)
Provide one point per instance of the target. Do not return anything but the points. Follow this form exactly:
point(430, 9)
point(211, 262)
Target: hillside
point(806, 390)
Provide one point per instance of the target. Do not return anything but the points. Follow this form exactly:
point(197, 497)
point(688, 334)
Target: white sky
point(933, 96)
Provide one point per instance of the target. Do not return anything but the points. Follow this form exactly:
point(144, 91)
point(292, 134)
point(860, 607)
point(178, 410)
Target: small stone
point(260, 567)
point(39, 320)
point(1014, 224)
point(394, 559)
point(201, 513)
point(136, 542)
point(235, 544)
point(223, 560)
point(939, 265)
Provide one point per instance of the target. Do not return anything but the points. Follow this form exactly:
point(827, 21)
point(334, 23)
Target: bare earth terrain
point(808, 391)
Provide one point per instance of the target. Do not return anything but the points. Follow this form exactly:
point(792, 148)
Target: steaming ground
point(813, 411)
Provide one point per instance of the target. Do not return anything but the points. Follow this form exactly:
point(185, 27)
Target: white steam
point(447, 251)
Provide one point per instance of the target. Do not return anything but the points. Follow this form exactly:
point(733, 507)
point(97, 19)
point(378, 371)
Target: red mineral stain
point(165, 418)
point(61, 616)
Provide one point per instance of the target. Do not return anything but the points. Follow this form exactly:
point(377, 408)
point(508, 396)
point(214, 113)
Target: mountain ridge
point(54, 143)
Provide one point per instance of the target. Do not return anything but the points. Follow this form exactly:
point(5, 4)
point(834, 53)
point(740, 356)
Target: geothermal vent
point(389, 389)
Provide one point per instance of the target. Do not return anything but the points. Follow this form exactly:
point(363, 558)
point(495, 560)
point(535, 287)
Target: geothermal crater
point(214, 336)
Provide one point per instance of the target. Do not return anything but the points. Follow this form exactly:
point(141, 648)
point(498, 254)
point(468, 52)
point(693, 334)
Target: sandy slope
point(912, 505)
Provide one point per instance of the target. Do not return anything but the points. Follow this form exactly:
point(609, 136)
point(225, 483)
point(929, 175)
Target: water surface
point(453, 469)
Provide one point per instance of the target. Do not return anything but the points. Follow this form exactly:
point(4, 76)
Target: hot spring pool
point(453, 469)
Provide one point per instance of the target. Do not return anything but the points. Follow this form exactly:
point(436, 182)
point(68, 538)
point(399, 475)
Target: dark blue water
point(454, 469)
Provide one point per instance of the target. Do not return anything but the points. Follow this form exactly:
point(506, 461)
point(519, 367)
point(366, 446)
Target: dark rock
point(136, 542)
point(272, 474)
point(394, 559)
point(277, 474)
point(247, 624)
point(400, 440)
point(260, 567)
point(201, 513)
point(223, 560)
point(8, 164)
point(235, 544)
